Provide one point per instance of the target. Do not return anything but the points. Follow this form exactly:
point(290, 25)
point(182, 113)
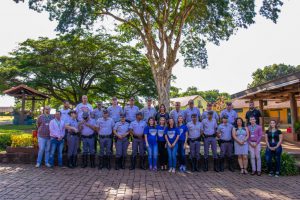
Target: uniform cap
point(225, 116)
point(105, 111)
point(72, 111)
point(228, 103)
point(194, 115)
point(122, 115)
point(210, 112)
point(139, 113)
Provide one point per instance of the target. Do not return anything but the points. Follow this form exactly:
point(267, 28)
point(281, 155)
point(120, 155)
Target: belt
point(195, 139)
point(210, 136)
point(56, 138)
point(87, 136)
point(74, 134)
point(225, 141)
point(138, 136)
point(105, 136)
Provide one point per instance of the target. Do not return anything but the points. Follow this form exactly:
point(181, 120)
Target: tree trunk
point(163, 84)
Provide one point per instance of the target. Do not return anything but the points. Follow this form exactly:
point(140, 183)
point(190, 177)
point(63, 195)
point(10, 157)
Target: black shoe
point(74, 162)
point(108, 163)
point(221, 167)
point(142, 162)
point(230, 164)
point(84, 161)
point(205, 168)
point(193, 165)
point(197, 165)
point(70, 165)
point(100, 164)
point(117, 163)
point(216, 165)
point(92, 160)
point(123, 162)
point(132, 162)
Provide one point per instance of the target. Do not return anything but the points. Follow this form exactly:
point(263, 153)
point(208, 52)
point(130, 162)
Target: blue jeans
point(181, 152)
point(152, 155)
point(273, 154)
point(60, 146)
point(44, 146)
point(172, 156)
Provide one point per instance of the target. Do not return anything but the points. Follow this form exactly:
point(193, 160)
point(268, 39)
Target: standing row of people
point(160, 133)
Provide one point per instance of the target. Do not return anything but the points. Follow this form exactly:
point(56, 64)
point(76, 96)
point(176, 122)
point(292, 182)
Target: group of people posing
point(164, 136)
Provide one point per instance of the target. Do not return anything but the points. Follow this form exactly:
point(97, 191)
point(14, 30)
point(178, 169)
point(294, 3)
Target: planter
point(29, 150)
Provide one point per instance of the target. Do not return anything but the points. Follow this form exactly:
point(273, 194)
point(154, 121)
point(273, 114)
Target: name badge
point(47, 124)
point(252, 135)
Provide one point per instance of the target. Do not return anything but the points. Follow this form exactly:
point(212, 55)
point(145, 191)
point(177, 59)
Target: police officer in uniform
point(231, 114)
point(191, 110)
point(148, 111)
point(208, 109)
point(130, 111)
point(97, 114)
point(87, 127)
point(209, 131)
point(225, 134)
point(138, 144)
point(194, 133)
point(177, 112)
point(115, 110)
point(121, 132)
point(73, 139)
point(105, 127)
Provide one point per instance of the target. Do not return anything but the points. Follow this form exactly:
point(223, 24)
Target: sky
point(230, 64)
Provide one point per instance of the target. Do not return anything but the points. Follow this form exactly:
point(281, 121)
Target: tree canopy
point(70, 66)
point(271, 72)
point(163, 26)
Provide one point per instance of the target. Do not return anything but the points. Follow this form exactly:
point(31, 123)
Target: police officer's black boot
point(142, 162)
point(123, 163)
point(108, 163)
point(70, 164)
point(117, 163)
point(221, 165)
point(192, 165)
point(205, 168)
point(74, 161)
point(216, 165)
point(230, 164)
point(92, 160)
point(132, 161)
point(84, 161)
point(100, 164)
point(197, 165)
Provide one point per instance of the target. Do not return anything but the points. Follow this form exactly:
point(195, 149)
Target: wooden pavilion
point(286, 88)
point(26, 93)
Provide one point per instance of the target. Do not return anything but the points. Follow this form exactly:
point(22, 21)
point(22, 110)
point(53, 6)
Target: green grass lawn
point(17, 129)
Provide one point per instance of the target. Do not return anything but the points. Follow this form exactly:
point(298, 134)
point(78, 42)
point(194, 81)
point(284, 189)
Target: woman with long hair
point(273, 138)
point(150, 133)
point(172, 136)
point(162, 112)
point(182, 143)
point(162, 151)
point(240, 135)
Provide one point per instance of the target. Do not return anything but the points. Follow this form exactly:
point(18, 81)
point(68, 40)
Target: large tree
point(271, 72)
point(70, 66)
point(163, 26)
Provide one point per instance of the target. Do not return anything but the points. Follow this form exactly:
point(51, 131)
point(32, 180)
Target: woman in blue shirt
point(172, 136)
point(150, 133)
point(162, 151)
point(182, 143)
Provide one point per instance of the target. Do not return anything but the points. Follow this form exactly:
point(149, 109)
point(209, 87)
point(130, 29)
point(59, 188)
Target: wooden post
point(294, 115)
point(261, 108)
point(33, 106)
point(22, 109)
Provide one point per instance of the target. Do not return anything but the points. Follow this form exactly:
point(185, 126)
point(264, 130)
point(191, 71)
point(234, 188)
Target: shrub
point(5, 140)
point(288, 164)
point(23, 140)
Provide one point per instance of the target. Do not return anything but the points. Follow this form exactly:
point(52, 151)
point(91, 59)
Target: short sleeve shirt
point(151, 133)
point(232, 115)
point(86, 131)
point(121, 128)
point(174, 114)
point(194, 129)
point(273, 137)
point(43, 128)
point(65, 115)
point(215, 115)
point(138, 127)
point(105, 126)
point(97, 113)
point(115, 112)
point(160, 133)
point(182, 132)
point(81, 108)
point(73, 123)
point(148, 112)
point(226, 131)
point(209, 126)
point(189, 112)
point(255, 113)
point(171, 134)
point(130, 112)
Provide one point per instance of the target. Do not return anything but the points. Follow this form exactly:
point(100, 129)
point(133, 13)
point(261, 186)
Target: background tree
point(70, 66)
point(271, 72)
point(163, 26)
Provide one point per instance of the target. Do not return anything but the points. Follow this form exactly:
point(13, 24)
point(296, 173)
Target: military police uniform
point(130, 113)
point(105, 126)
point(226, 145)
point(174, 114)
point(148, 112)
point(138, 143)
point(214, 115)
point(194, 133)
point(73, 140)
point(209, 130)
point(189, 112)
point(122, 129)
point(115, 112)
point(231, 114)
point(88, 140)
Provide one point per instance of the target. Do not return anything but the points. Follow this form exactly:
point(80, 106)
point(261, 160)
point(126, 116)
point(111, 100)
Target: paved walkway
point(26, 182)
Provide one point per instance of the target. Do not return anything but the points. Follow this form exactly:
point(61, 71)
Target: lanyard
point(58, 123)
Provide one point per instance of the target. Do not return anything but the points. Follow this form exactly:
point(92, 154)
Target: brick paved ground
point(26, 182)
